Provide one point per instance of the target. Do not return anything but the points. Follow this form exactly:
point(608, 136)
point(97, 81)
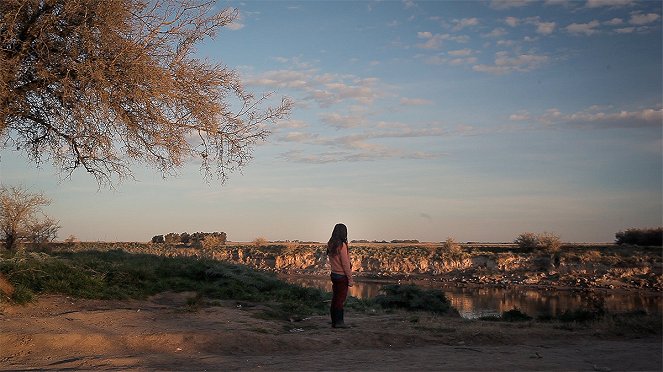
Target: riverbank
point(576, 266)
point(162, 332)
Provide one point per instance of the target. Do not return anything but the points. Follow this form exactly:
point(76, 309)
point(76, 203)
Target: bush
point(260, 242)
point(411, 297)
point(453, 249)
point(642, 237)
point(544, 241)
point(527, 240)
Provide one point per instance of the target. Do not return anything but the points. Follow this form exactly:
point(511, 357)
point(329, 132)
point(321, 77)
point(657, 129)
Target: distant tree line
point(643, 237)
point(197, 239)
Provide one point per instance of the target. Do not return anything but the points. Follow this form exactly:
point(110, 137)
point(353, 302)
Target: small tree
point(527, 240)
point(22, 218)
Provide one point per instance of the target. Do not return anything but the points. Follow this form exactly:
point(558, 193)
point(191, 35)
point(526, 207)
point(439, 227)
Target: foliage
point(99, 84)
point(527, 240)
point(652, 237)
point(453, 249)
point(544, 241)
point(260, 242)
point(412, 297)
point(513, 315)
point(120, 275)
point(22, 218)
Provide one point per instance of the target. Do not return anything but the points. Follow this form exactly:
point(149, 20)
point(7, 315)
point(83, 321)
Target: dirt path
point(61, 333)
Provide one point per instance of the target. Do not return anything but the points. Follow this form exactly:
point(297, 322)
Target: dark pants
point(339, 290)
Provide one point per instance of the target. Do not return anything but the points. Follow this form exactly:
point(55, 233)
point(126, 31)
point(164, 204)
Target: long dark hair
point(338, 237)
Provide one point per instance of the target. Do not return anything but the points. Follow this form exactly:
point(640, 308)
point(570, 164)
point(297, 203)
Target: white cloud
point(511, 21)
point(292, 124)
point(506, 63)
point(459, 24)
point(599, 117)
point(496, 32)
point(545, 28)
point(325, 89)
point(339, 121)
point(639, 19)
point(520, 116)
point(614, 22)
point(407, 4)
point(625, 30)
point(506, 4)
point(583, 28)
point(461, 52)
point(415, 101)
point(434, 41)
point(610, 3)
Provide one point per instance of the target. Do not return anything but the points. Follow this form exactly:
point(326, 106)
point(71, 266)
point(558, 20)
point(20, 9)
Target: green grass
point(120, 275)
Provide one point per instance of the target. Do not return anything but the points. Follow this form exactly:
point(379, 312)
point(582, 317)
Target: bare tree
point(22, 218)
point(99, 84)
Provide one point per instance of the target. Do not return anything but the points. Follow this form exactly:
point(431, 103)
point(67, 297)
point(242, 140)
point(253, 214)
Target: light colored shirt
point(340, 263)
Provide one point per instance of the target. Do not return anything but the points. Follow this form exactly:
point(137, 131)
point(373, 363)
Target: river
point(473, 302)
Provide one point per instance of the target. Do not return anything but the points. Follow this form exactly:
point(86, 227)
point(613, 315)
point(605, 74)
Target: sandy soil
point(60, 333)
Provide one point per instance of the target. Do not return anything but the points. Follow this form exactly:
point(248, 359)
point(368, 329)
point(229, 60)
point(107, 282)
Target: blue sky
point(476, 120)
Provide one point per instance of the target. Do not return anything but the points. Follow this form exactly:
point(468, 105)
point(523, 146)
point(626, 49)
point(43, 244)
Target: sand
point(57, 332)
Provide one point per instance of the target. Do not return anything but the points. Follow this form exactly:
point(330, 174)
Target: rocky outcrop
point(573, 266)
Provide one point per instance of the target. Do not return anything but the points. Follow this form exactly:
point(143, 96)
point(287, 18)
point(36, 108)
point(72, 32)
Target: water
point(473, 302)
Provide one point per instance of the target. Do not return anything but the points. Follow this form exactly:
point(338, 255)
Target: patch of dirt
point(168, 332)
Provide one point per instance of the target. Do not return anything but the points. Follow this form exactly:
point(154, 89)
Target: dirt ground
point(163, 333)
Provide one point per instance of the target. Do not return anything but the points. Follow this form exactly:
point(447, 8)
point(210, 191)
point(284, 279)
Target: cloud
point(322, 88)
point(625, 30)
point(236, 24)
point(361, 146)
point(614, 22)
point(520, 116)
point(639, 19)
point(496, 32)
point(461, 52)
point(507, 4)
point(599, 117)
point(610, 3)
point(292, 124)
point(459, 24)
point(407, 4)
point(511, 21)
point(425, 216)
point(505, 63)
point(415, 101)
point(339, 121)
point(583, 28)
point(434, 41)
point(545, 28)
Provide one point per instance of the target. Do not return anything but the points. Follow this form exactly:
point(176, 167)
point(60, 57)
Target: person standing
point(341, 272)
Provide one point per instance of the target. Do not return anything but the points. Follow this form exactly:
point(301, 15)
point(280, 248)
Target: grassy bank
point(116, 274)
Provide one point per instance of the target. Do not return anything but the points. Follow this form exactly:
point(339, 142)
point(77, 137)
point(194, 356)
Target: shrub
point(549, 242)
point(453, 249)
point(157, 239)
point(172, 238)
point(642, 237)
point(515, 315)
point(544, 241)
point(411, 297)
point(527, 240)
point(260, 242)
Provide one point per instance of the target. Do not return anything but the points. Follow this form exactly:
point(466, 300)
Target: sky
point(476, 120)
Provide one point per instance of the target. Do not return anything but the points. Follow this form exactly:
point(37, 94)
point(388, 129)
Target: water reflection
point(476, 302)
